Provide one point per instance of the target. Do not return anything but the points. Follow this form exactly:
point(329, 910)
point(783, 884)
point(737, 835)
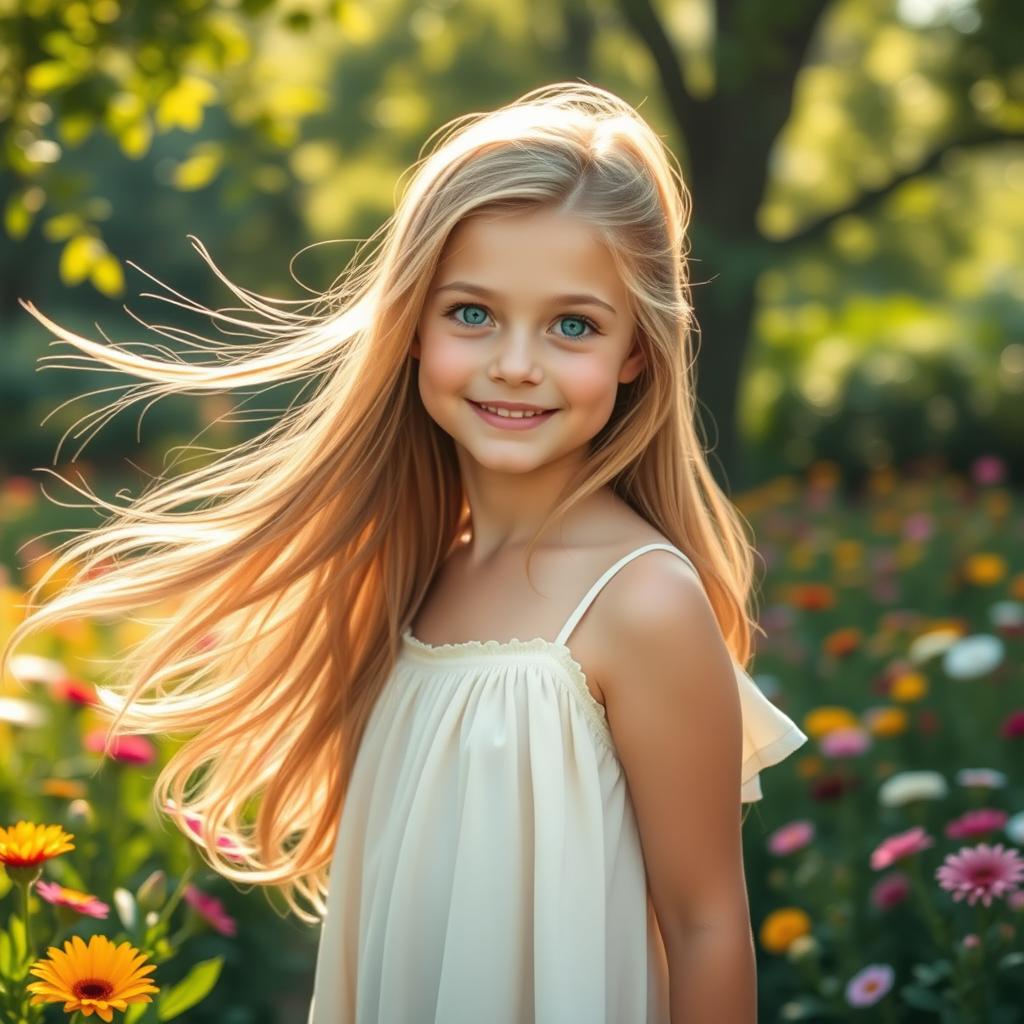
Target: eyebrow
point(476, 289)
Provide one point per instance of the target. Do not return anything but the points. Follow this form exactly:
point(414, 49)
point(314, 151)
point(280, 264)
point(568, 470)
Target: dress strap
point(588, 598)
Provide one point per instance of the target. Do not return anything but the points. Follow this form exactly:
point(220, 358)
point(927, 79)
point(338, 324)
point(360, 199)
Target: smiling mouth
point(511, 413)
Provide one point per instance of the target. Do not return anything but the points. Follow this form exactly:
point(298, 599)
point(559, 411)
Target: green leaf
point(6, 957)
point(922, 998)
point(195, 986)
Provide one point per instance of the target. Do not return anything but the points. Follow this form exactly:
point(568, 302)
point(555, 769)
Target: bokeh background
point(857, 253)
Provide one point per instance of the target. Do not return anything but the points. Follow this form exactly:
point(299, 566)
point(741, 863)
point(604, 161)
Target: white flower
point(32, 668)
point(802, 946)
point(22, 712)
point(904, 787)
point(986, 778)
point(928, 645)
point(1014, 828)
point(973, 656)
point(1006, 614)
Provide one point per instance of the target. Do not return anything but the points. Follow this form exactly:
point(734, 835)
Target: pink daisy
point(890, 890)
point(981, 872)
point(211, 910)
point(900, 846)
point(849, 741)
point(128, 749)
point(82, 902)
point(792, 837)
point(976, 823)
point(869, 985)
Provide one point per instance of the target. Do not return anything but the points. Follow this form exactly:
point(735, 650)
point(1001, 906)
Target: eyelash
point(566, 316)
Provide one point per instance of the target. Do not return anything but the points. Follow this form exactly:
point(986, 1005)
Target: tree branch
point(871, 198)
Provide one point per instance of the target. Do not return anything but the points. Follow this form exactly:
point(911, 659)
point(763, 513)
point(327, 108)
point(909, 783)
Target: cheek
point(444, 366)
point(591, 385)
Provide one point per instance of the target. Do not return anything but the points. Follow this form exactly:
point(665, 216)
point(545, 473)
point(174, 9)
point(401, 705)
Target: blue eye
point(450, 311)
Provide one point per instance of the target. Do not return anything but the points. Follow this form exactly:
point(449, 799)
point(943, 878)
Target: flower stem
point(30, 948)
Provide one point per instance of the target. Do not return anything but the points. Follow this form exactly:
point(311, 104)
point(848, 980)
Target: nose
point(516, 358)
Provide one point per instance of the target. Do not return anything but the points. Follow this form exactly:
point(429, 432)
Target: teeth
point(518, 415)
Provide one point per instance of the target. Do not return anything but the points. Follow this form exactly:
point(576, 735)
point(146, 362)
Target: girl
point(490, 828)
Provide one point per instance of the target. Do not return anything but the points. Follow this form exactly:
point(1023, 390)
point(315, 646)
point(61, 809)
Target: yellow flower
point(27, 845)
point(908, 687)
point(886, 721)
point(824, 719)
point(97, 978)
point(781, 927)
point(848, 554)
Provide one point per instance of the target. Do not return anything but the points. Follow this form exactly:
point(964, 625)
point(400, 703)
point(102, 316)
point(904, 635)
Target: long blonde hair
point(294, 561)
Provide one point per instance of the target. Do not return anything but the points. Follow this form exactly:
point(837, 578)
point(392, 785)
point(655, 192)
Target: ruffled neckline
point(468, 649)
point(513, 646)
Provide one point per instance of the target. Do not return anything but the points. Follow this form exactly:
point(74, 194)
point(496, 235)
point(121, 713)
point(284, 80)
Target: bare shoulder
point(675, 716)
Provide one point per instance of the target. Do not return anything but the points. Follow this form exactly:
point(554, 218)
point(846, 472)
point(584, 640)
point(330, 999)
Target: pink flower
point(849, 741)
point(866, 987)
point(1016, 899)
point(890, 890)
point(73, 691)
point(129, 749)
point(970, 941)
point(980, 872)
point(1013, 725)
point(975, 823)
point(918, 526)
point(211, 910)
point(82, 902)
point(792, 837)
point(900, 846)
point(195, 824)
point(988, 469)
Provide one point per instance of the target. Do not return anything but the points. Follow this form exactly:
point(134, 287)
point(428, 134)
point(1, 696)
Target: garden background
point(857, 253)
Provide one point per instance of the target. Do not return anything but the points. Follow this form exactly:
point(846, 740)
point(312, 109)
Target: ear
point(633, 365)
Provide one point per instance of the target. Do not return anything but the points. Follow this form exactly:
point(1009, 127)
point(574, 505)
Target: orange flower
point(842, 642)
point(812, 596)
point(908, 687)
point(781, 927)
point(984, 568)
point(886, 722)
point(98, 978)
point(66, 789)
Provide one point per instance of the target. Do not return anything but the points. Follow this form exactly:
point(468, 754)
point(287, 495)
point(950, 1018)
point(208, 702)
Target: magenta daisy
point(900, 846)
point(981, 872)
point(211, 910)
point(978, 822)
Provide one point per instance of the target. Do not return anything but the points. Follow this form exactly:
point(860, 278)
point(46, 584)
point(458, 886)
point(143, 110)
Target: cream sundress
point(488, 866)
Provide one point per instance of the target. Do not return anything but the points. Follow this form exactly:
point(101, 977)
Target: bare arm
point(675, 715)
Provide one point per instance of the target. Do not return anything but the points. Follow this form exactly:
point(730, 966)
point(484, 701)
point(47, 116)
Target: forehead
point(540, 251)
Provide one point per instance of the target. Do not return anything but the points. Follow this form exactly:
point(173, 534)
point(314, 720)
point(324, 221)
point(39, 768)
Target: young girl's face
point(497, 326)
